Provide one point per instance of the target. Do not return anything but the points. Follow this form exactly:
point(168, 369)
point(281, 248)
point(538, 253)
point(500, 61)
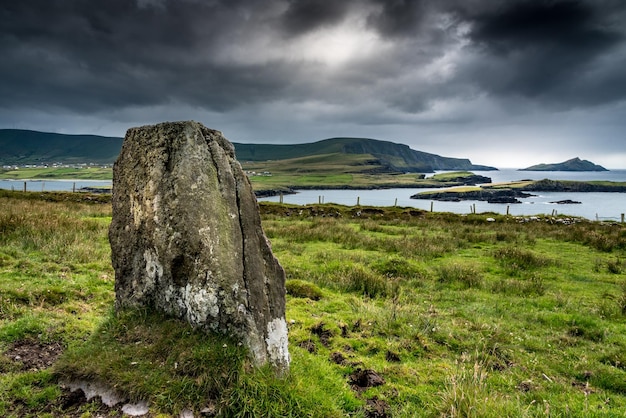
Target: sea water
point(600, 206)
point(595, 206)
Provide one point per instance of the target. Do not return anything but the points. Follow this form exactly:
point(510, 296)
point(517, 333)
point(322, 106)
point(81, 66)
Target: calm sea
point(603, 206)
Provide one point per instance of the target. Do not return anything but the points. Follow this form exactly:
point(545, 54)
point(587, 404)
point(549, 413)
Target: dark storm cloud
point(278, 68)
point(399, 17)
point(306, 15)
point(551, 50)
point(84, 55)
point(75, 54)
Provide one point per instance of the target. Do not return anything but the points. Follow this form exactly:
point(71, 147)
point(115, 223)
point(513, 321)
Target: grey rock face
point(186, 238)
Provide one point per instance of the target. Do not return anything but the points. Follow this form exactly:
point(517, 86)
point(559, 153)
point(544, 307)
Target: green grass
point(451, 175)
point(53, 173)
point(460, 317)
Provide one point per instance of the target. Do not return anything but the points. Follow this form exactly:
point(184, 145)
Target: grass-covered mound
point(391, 312)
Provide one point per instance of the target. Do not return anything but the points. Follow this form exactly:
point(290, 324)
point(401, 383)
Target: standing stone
point(186, 238)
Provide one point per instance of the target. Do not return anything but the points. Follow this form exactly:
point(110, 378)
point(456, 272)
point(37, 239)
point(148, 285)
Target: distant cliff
point(575, 164)
point(396, 157)
point(31, 147)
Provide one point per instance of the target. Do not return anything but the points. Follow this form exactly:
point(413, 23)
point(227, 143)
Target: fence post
point(395, 203)
point(358, 200)
point(74, 187)
point(622, 218)
point(507, 210)
point(431, 206)
point(24, 186)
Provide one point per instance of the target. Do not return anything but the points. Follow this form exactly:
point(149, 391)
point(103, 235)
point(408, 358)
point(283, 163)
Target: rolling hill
point(32, 147)
point(19, 146)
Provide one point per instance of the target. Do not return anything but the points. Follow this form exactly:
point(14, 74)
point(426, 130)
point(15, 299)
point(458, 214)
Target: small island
point(575, 164)
point(510, 192)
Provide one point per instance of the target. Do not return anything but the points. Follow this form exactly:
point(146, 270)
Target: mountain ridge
point(19, 146)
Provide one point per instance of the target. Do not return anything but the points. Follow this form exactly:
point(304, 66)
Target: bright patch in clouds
point(339, 45)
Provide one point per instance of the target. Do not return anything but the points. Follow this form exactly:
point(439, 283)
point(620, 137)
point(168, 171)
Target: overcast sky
point(507, 83)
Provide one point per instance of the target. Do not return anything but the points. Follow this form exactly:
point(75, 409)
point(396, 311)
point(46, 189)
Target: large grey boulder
point(186, 238)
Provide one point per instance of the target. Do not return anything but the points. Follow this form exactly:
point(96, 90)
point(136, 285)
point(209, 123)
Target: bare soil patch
point(34, 355)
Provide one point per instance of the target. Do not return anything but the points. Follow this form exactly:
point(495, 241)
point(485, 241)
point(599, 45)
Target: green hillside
point(31, 147)
point(389, 155)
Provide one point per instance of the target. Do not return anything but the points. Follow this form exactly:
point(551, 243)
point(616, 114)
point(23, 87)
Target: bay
point(600, 206)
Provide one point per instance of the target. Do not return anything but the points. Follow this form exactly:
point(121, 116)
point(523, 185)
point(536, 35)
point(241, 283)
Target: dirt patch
point(308, 346)
point(324, 334)
point(338, 358)
point(360, 380)
point(73, 399)
point(377, 408)
point(392, 357)
point(34, 355)
point(526, 386)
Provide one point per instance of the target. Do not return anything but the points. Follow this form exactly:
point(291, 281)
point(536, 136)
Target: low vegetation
point(391, 312)
point(58, 173)
point(326, 171)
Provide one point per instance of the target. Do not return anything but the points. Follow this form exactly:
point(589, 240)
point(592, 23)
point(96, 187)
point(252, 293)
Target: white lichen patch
point(154, 268)
point(200, 304)
point(277, 342)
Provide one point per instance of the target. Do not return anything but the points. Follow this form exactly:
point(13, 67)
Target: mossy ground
point(445, 315)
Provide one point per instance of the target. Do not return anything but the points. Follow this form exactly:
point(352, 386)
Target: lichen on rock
point(186, 238)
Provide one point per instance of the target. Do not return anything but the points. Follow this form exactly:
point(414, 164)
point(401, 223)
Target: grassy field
point(319, 171)
point(392, 312)
point(57, 173)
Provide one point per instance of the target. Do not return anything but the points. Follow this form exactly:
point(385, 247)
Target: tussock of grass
point(516, 259)
point(303, 289)
point(468, 275)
